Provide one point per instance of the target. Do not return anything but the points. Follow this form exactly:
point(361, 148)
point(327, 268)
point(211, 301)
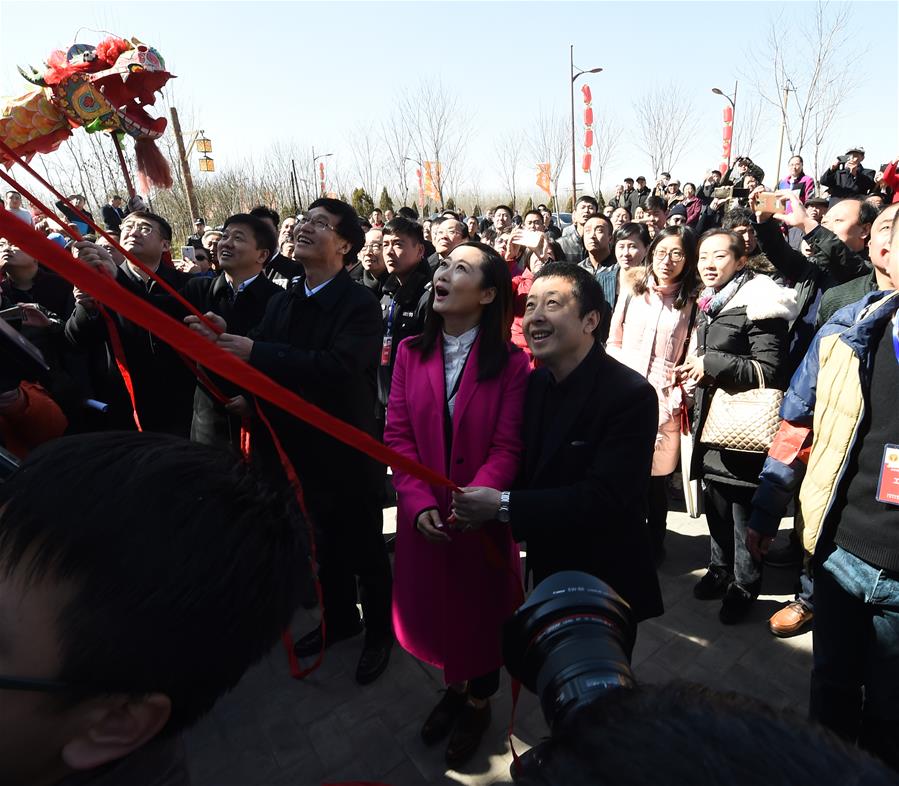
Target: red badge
point(385, 351)
point(888, 487)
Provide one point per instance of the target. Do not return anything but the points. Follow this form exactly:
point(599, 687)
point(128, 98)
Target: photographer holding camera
point(846, 176)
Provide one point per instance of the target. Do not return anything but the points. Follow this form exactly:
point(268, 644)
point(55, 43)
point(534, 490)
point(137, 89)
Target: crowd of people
point(550, 372)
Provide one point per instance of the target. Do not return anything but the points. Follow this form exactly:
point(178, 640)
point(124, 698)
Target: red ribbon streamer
point(203, 351)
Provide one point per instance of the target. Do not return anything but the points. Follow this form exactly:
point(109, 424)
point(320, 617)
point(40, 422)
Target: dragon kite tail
point(152, 166)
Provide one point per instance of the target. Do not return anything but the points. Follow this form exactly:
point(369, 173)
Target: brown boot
point(467, 733)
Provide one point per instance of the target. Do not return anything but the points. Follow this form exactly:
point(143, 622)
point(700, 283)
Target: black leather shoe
point(443, 716)
point(713, 585)
point(467, 734)
point(374, 659)
point(311, 643)
point(736, 604)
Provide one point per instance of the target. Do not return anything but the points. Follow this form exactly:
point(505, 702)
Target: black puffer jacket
point(751, 326)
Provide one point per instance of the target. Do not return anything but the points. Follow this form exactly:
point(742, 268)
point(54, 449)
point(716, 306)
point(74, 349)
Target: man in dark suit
point(279, 269)
point(239, 295)
point(322, 338)
point(113, 213)
point(590, 429)
point(163, 384)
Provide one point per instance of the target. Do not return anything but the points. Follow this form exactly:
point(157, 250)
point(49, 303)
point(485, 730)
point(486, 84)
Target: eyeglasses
point(141, 229)
point(373, 247)
point(317, 221)
point(675, 255)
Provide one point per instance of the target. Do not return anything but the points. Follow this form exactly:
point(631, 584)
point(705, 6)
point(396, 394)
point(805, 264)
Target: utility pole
point(783, 126)
point(185, 167)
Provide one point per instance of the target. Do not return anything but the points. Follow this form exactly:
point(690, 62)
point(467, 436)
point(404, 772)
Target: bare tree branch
point(666, 122)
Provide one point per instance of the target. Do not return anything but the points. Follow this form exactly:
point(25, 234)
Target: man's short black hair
point(586, 289)
point(265, 237)
point(534, 212)
point(588, 199)
point(504, 207)
point(165, 229)
point(347, 224)
point(656, 203)
point(738, 217)
point(681, 733)
point(261, 211)
point(179, 565)
point(866, 211)
point(406, 212)
point(406, 228)
point(629, 180)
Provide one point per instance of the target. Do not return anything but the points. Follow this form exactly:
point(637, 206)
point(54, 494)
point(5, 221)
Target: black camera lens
point(570, 642)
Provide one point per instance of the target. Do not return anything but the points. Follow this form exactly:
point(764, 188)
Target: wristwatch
point(503, 516)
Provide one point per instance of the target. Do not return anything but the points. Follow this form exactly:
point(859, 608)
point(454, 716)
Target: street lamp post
point(733, 119)
point(574, 76)
point(314, 171)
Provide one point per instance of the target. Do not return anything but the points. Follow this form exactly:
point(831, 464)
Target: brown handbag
point(745, 422)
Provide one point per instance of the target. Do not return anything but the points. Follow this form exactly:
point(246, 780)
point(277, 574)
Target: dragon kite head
point(108, 87)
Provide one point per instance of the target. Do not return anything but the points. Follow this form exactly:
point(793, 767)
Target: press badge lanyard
point(888, 483)
point(896, 335)
point(387, 344)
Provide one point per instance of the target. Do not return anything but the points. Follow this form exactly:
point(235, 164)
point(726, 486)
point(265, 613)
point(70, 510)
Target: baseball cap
point(855, 150)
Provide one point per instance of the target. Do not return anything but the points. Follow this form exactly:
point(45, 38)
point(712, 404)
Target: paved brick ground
point(273, 731)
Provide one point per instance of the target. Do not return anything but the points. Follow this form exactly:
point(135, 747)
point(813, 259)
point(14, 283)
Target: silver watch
point(504, 515)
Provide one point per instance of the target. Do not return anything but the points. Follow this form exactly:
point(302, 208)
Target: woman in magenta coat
point(456, 404)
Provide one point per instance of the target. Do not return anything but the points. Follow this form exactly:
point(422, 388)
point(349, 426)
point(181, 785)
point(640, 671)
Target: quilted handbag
point(746, 421)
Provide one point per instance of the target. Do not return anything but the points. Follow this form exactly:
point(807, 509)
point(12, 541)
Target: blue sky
point(309, 73)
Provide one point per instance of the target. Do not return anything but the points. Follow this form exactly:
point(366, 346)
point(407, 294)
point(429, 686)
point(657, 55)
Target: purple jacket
point(804, 184)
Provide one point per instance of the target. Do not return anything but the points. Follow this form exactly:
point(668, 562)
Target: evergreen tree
point(450, 204)
point(385, 202)
point(529, 205)
point(362, 203)
point(476, 211)
point(569, 206)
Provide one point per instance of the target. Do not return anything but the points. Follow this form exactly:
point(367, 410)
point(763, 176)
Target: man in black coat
point(322, 339)
point(589, 437)
point(113, 213)
point(239, 294)
point(846, 177)
point(163, 384)
point(404, 295)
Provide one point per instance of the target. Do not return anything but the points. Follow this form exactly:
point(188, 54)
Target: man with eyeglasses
point(371, 261)
point(448, 234)
point(132, 597)
point(163, 385)
point(322, 338)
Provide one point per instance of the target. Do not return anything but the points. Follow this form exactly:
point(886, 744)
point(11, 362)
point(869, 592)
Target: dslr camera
point(569, 643)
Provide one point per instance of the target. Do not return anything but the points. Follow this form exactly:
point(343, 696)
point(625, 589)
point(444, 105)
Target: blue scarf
point(711, 300)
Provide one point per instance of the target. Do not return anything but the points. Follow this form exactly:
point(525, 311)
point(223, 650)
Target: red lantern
point(588, 98)
point(588, 116)
point(588, 138)
point(728, 114)
point(588, 160)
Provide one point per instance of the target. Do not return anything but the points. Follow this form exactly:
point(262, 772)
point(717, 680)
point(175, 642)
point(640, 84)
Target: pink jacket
point(450, 599)
point(651, 339)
